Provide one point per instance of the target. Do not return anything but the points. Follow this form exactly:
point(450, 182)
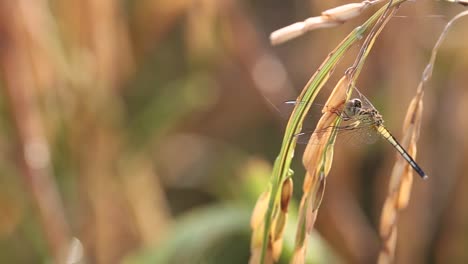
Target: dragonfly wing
point(360, 136)
point(286, 109)
point(365, 102)
point(311, 137)
point(349, 133)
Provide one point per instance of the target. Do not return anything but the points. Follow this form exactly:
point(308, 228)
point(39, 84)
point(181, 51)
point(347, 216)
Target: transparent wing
point(347, 132)
point(365, 102)
point(286, 109)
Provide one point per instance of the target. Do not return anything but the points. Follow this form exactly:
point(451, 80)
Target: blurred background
point(147, 130)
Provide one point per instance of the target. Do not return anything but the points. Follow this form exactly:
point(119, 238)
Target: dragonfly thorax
point(354, 110)
point(371, 115)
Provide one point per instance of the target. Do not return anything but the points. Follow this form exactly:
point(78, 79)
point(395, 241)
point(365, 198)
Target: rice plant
point(269, 219)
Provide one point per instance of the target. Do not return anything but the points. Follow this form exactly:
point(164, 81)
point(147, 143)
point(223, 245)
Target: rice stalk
point(281, 169)
point(400, 181)
point(317, 161)
point(318, 158)
point(402, 175)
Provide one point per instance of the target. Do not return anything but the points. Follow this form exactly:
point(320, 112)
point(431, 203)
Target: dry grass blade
point(402, 175)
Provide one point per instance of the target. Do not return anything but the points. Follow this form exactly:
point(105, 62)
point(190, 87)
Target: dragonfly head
point(352, 107)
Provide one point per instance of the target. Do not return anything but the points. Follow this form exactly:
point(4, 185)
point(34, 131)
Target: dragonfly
point(361, 120)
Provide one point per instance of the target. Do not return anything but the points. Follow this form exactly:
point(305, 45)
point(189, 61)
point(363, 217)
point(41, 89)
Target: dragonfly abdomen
point(391, 139)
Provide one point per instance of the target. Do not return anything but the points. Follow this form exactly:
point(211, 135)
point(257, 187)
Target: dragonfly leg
point(344, 116)
point(355, 124)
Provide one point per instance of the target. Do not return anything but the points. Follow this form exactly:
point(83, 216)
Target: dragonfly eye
point(357, 103)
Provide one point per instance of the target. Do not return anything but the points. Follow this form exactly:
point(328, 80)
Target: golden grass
point(400, 181)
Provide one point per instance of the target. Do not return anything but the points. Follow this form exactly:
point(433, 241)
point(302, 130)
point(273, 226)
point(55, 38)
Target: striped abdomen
point(391, 139)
